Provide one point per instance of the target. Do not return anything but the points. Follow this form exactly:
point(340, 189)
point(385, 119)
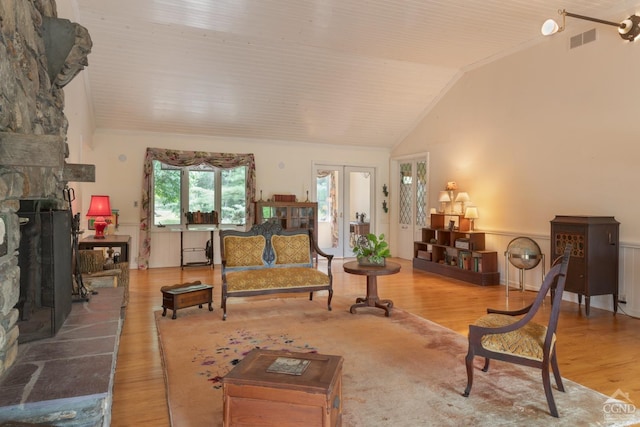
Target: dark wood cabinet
point(593, 268)
point(456, 252)
point(290, 215)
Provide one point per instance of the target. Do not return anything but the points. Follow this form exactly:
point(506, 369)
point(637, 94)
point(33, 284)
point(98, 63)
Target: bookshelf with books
point(456, 252)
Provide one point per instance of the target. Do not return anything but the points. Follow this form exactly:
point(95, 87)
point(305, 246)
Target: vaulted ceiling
point(355, 72)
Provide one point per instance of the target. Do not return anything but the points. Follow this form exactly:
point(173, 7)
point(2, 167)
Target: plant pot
point(366, 261)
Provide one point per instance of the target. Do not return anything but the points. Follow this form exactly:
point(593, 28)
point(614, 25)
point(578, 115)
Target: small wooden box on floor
point(188, 295)
point(253, 396)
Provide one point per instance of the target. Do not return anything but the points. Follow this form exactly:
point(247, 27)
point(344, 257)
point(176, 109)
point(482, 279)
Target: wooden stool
point(186, 295)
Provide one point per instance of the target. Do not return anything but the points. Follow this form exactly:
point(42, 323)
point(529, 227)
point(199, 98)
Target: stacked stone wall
point(30, 104)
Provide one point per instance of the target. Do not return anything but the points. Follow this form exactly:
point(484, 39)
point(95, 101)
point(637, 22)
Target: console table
point(121, 241)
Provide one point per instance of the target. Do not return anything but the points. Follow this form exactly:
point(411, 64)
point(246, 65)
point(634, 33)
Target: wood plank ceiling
point(355, 72)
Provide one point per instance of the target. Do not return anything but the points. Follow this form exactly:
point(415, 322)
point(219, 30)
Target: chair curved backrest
point(502, 336)
point(557, 290)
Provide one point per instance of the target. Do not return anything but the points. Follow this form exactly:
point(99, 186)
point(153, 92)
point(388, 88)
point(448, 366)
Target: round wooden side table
point(372, 272)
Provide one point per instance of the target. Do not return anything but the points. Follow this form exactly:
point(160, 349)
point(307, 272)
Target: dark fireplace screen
point(45, 272)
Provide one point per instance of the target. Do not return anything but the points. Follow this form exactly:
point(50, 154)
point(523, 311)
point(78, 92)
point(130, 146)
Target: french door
point(345, 205)
point(411, 182)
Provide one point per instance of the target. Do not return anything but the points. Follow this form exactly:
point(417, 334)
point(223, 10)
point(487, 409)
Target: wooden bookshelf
point(456, 252)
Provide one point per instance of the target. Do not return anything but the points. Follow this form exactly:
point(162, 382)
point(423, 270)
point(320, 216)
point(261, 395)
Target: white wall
point(281, 168)
point(544, 132)
point(80, 130)
point(77, 109)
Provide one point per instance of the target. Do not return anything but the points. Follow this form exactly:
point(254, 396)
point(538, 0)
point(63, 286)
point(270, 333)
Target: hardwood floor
point(599, 351)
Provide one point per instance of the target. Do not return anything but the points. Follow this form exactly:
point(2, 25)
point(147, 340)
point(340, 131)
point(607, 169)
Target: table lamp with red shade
point(99, 208)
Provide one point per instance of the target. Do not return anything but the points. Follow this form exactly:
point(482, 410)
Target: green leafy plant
point(373, 247)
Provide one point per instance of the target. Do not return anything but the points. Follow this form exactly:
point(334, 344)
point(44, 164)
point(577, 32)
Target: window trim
point(183, 158)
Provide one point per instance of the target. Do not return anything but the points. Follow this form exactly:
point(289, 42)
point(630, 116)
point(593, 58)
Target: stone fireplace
point(39, 55)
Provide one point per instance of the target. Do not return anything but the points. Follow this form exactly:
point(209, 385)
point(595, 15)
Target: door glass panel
point(327, 195)
point(421, 194)
point(359, 206)
point(406, 197)
point(268, 212)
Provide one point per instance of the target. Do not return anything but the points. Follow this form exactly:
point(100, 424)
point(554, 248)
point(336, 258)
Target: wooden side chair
point(500, 335)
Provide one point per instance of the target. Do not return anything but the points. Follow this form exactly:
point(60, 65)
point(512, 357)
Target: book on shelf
point(199, 217)
point(477, 264)
point(464, 260)
point(289, 366)
point(284, 198)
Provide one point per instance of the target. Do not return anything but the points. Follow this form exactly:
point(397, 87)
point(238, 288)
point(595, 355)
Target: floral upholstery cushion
point(244, 251)
point(527, 341)
point(275, 278)
point(291, 249)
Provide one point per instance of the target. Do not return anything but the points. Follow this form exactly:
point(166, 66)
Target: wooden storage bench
point(253, 396)
point(186, 295)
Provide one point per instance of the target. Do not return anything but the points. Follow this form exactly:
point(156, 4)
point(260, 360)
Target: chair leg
point(546, 382)
point(469, 363)
point(485, 368)
point(556, 372)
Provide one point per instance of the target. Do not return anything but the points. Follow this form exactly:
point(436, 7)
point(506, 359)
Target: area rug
point(401, 370)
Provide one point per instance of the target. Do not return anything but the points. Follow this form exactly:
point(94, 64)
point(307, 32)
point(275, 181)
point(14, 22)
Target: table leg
point(372, 299)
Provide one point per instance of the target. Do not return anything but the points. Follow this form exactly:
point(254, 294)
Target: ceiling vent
point(584, 38)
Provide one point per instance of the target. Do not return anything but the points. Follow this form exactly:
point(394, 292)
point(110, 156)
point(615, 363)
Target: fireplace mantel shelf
point(29, 150)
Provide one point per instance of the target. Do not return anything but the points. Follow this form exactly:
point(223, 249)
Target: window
point(204, 188)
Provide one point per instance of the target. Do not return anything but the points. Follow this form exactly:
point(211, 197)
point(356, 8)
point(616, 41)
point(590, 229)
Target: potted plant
point(371, 250)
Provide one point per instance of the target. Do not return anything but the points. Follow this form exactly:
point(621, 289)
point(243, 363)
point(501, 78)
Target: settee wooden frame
point(269, 229)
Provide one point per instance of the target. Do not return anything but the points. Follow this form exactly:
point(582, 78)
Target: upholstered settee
point(268, 260)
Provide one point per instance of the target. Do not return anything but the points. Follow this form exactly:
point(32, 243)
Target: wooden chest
point(253, 396)
point(186, 296)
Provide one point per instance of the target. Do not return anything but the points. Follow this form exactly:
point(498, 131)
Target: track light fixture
point(629, 29)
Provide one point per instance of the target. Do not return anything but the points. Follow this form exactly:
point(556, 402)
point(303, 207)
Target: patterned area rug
point(398, 371)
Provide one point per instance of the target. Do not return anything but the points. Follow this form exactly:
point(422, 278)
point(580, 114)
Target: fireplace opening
point(44, 258)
